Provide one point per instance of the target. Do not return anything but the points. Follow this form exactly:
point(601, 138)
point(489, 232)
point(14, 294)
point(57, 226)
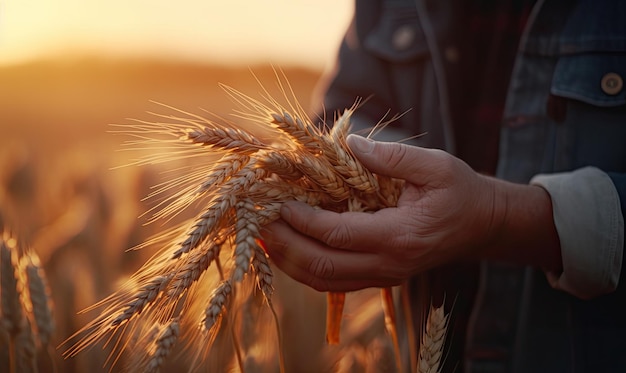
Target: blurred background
point(77, 66)
point(71, 68)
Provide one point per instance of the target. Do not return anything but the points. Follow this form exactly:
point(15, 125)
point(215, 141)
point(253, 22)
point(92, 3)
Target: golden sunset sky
point(299, 32)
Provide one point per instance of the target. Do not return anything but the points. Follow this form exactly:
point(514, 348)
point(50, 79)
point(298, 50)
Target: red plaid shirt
point(488, 43)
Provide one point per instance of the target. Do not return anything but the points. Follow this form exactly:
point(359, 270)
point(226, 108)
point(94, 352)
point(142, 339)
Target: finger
point(397, 160)
point(324, 284)
point(315, 264)
point(355, 231)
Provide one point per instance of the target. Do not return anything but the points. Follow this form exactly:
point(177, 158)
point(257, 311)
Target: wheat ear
point(39, 298)
point(433, 339)
point(162, 346)
point(246, 236)
point(217, 304)
point(12, 314)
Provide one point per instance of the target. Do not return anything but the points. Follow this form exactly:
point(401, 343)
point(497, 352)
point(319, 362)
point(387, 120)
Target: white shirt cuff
point(590, 225)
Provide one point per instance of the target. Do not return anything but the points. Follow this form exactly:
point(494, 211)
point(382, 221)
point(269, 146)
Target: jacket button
point(612, 84)
point(403, 37)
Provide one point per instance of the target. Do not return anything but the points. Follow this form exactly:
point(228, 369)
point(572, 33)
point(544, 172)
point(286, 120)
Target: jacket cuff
point(590, 225)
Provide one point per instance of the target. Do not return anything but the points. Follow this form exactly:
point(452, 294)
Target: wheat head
point(433, 339)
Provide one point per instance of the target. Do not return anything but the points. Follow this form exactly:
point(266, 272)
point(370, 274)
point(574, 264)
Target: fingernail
point(360, 143)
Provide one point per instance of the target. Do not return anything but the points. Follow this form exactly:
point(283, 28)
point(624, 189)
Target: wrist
point(522, 228)
point(496, 223)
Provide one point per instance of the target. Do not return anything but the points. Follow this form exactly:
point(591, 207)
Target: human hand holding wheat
point(444, 212)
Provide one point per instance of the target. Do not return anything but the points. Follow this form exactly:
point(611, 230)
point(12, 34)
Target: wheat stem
point(391, 325)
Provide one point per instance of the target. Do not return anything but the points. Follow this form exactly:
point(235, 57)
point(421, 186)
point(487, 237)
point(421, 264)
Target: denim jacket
point(572, 57)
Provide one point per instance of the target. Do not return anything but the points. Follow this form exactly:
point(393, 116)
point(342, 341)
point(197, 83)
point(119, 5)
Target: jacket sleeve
point(588, 209)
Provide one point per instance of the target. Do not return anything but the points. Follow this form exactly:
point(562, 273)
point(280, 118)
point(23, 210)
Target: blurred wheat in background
point(27, 323)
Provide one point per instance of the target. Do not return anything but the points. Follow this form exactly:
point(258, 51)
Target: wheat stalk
point(239, 193)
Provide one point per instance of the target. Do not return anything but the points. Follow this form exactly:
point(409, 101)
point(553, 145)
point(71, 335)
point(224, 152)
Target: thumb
point(393, 159)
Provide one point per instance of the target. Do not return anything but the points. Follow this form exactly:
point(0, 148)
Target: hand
point(445, 210)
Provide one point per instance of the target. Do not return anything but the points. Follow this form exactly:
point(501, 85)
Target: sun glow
point(234, 32)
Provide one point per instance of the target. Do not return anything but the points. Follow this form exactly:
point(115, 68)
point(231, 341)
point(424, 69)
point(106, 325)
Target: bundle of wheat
point(238, 194)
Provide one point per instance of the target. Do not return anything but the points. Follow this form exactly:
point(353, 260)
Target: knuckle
point(394, 155)
point(444, 161)
point(321, 267)
point(340, 236)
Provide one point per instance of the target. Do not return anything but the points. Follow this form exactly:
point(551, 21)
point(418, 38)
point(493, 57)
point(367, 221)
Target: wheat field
point(78, 195)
